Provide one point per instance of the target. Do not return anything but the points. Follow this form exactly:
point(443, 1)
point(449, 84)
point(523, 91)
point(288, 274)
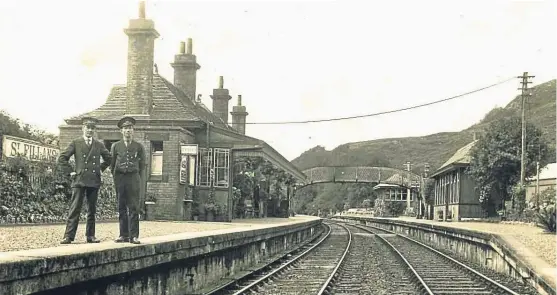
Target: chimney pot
point(142, 9)
point(182, 47)
point(190, 46)
point(221, 82)
point(239, 99)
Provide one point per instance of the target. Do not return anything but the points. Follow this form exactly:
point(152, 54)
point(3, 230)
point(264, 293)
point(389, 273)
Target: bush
point(546, 218)
point(35, 193)
point(546, 215)
point(395, 208)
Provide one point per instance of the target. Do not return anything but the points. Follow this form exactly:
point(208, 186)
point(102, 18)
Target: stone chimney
point(239, 115)
point(185, 69)
point(220, 101)
point(474, 135)
point(141, 50)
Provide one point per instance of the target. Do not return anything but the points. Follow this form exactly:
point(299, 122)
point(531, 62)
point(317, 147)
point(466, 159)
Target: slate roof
point(169, 104)
point(462, 156)
point(396, 178)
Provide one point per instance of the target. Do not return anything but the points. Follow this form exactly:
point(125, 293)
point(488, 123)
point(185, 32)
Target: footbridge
point(360, 174)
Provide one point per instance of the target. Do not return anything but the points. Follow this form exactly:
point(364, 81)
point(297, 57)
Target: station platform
point(530, 243)
point(32, 260)
point(27, 237)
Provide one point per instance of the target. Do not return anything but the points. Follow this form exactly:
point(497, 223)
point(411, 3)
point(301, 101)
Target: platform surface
point(34, 239)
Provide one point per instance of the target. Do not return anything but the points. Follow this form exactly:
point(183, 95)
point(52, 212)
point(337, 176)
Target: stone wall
point(177, 264)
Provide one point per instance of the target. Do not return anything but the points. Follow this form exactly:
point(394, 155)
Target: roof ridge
point(454, 159)
point(175, 90)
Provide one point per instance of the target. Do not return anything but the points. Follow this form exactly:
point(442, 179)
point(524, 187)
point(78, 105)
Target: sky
point(290, 60)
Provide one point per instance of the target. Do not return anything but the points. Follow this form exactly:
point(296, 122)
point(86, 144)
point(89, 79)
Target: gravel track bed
point(372, 268)
point(506, 280)
point(43, 236)
point(306, 277)
point(516, 284)
point(439, 274)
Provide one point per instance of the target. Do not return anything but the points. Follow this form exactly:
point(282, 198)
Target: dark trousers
point(78, 194)
point(128, 188)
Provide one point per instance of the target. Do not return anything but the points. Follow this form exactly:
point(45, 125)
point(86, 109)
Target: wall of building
point(468, 192)
point(455, 191)
point(67, 134)
point(166, 188)
point(543, 185)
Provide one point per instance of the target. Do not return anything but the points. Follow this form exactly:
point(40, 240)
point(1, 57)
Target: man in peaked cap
point(128, 163)
point(86, 179)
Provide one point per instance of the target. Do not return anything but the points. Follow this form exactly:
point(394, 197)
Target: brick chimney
point(141, 50)
point(239, 115)
point(220, 101)
point(185, 69)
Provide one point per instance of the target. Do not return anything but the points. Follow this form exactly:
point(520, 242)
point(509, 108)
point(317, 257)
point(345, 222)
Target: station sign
point(31, 150)
point(188, 149)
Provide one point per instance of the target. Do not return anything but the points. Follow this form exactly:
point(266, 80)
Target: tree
point(495, 158)
point(14, 127)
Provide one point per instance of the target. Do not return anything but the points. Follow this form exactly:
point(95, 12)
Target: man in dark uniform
point(128, 162)
point(86, 179)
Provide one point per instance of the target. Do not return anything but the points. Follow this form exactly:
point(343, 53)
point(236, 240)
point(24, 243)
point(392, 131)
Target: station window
point(222, 162)
point(215, 160)
point(204, 167)
point(156, 157)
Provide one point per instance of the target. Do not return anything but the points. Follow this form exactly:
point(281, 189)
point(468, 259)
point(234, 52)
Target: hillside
point(436, 148)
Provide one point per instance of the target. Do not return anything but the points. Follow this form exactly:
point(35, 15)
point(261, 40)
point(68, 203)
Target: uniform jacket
point(127, 159)
point(88, 165)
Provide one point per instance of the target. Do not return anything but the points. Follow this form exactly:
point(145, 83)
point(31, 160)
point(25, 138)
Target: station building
point(191, 149)
point(455, 195)
point(388, 192)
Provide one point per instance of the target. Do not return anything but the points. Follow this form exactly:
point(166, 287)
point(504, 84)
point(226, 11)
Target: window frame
point(221, 170)
point(203, 173)
point(204, 166)
point(153, 156)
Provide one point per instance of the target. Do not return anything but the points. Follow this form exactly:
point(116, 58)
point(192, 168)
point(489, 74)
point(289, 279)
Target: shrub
point(395, 208)
point(546, 218)
point(546, 214)
point(34, 192)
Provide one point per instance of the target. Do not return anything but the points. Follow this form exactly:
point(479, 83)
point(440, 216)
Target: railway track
point(309, 272)
point(437, 273)
point(370, 269)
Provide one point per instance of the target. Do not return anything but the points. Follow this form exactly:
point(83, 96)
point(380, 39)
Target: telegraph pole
point(409, 188)
point(524, 81)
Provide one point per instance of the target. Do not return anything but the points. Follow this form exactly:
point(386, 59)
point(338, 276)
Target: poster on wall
point(184, 170)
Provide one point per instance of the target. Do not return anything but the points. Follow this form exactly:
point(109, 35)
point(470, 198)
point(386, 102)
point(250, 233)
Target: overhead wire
point(384, 112)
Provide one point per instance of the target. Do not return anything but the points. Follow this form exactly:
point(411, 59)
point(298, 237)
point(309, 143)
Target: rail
point(443, 255)
point(341, 261)
point(246, 288)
